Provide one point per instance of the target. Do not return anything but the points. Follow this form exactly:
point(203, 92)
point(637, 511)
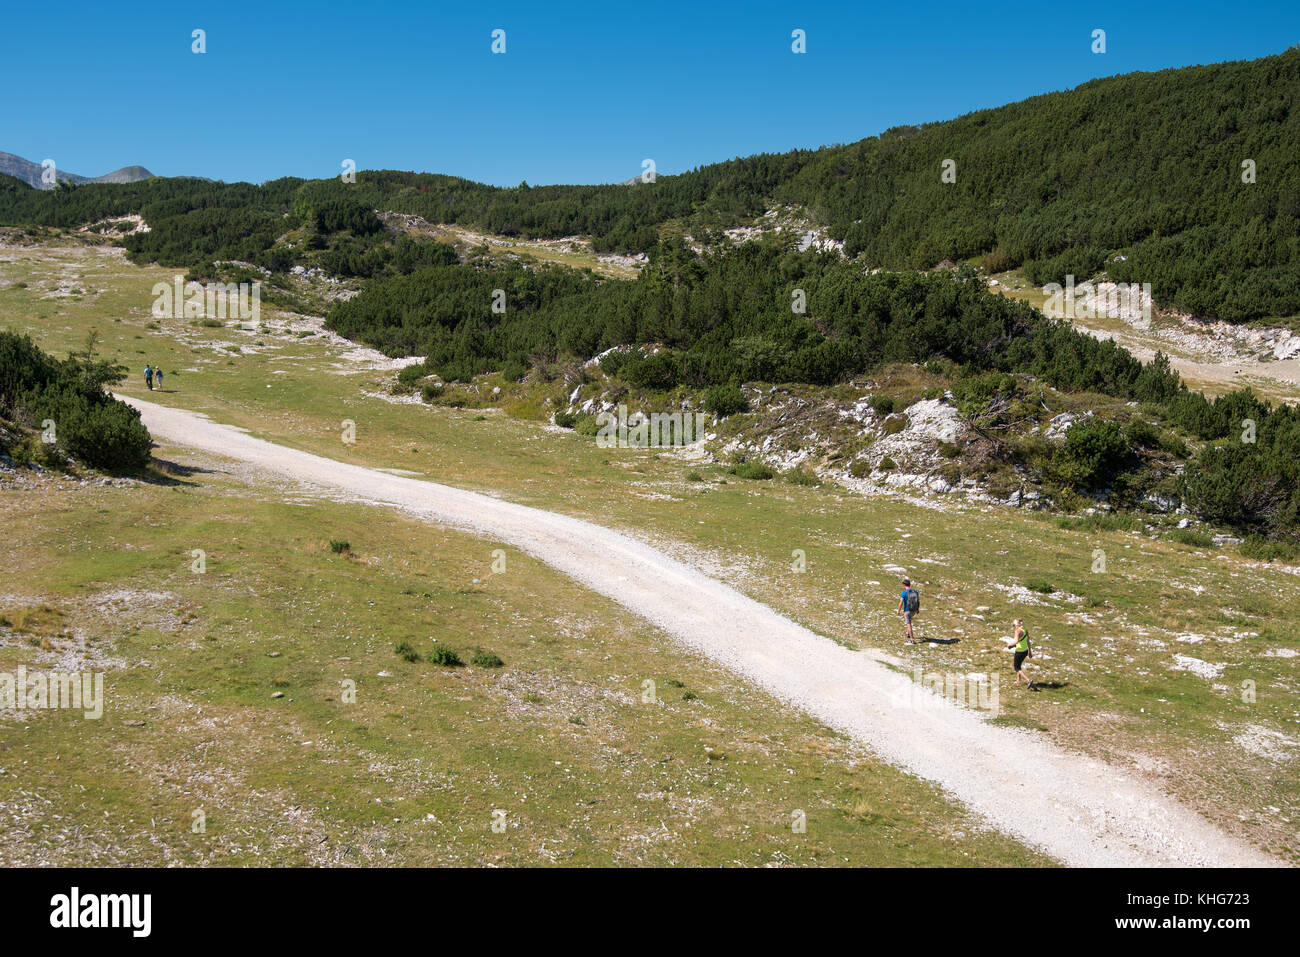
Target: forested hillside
point(726, 319)
point(1142, 175)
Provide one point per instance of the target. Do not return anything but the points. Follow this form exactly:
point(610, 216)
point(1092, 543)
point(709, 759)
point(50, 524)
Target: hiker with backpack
point(157, 374)
point(909, 603)
point(148, 377)
point(1021, 647)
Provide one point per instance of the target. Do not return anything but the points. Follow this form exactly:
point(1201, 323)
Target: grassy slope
point(558, 738)
point(1113, 651)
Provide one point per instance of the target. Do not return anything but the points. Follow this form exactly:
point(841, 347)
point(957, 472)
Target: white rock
point(1288, 348)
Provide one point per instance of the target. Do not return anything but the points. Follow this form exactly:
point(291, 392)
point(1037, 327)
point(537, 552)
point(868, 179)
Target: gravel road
point(1079, 810)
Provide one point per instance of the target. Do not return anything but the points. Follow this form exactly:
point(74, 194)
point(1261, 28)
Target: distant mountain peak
point(31, 173)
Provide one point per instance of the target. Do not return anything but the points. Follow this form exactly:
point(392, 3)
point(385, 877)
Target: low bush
point(1095, 451)
point(1191, 536)
point(724, 400)
point(90, 425)
point(1263, 550)
point(894, 424)
point(798, 476)
point(881, 404)
point(485, 659)
point(445, 657)
point(751, 470)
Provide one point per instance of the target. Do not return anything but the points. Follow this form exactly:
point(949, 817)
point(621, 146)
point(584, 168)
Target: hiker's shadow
point(938, 641)
point(1051, 685)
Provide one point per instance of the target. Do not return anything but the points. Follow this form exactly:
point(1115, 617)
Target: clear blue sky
point(583, 93)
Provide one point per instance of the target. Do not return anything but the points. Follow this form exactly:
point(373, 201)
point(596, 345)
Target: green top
point(1023, 643)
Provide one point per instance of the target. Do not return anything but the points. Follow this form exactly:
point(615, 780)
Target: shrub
point(430, 391)
point(894, 424)
point(407, 652)
point(613, 363)
point(339, 546)
point(94, 428)
point(1099, 522)
point(997, 260)
point(1253, 490)
point(1191, 536)
point(694, 476)
point(485, 659)
point(859, 468)
point(1142, 434)
point(751, 470)
point(798, 476)
point(411, 374)
point(1261, 549)
point(887, 464)
point(1174, 446)
point(1040, 586)
point(724, 400)
point(659, 371)
point(445, 657)
point(1094, 451)
point(881, 404)
point(566, 420)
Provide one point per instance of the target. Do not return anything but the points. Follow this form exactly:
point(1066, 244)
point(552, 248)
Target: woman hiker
point(1023, 651)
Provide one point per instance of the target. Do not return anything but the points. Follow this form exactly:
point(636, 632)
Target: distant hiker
point(909, 603)
point(157, 374)
point(1023, 651)
point(148, 377)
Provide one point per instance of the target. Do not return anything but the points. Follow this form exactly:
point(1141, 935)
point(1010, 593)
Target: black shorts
point(1019, 659)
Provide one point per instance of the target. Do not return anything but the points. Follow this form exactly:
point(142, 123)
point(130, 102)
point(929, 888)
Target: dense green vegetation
point(724, 319)
point(727, 318)
point(89, 425)
point(1141, 175)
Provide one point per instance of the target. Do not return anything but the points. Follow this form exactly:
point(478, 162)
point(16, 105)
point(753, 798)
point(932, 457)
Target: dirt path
point(1278, 379)
point(1077, 809)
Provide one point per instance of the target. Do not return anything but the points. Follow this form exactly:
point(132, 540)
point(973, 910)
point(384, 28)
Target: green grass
point(1113, 648)
point(230, 692)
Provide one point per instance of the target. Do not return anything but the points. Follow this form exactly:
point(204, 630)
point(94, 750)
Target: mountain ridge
point(32, 173)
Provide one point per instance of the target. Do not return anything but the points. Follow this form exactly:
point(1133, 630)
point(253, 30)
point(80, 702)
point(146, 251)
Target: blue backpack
point(913, 601)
